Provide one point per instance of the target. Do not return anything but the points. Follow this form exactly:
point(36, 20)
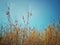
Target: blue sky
point(44, 12)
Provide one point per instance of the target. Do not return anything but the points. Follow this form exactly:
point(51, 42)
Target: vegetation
point(26, 36)
point(22, 37)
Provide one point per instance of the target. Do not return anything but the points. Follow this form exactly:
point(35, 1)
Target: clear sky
point(44, 12)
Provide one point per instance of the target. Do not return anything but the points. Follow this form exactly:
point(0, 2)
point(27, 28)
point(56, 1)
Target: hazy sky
point(44, 12)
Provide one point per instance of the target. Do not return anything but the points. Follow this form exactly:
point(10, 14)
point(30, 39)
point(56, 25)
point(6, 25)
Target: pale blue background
point(44, 12)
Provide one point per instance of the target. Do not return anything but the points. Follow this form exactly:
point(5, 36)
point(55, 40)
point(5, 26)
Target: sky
point(44, 12)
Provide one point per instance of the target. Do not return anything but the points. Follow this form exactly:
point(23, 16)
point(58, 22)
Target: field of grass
point(12, 34)
point(23, 36)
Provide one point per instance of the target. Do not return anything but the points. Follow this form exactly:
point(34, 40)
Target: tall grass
point(26, 36)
